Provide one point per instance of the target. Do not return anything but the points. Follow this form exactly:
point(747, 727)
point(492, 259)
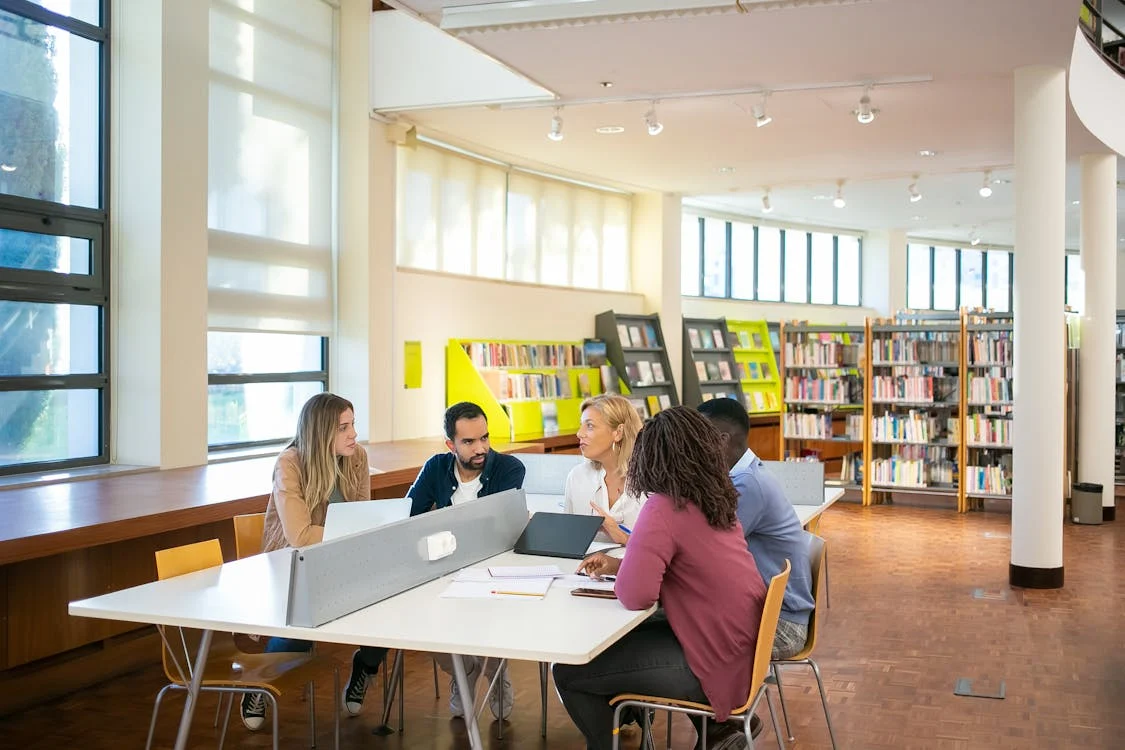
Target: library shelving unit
point(915, 410)
point(635, 347)
point(710, 370)
point(527, 389)
point(988, 410)
point(824, 399)
point(1119, 403)
point(756, 365)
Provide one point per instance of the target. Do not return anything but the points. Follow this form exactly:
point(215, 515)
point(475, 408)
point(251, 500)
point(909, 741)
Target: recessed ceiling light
point(927, 153)
point(609, 129)
point(607, 84)
point(726, 170)
point(1075, 203)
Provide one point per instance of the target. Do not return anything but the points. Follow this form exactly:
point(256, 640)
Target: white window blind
point(270, 166)
point(460, 215)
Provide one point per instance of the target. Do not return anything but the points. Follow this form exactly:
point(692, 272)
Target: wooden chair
point(248, 530)
point(813, 527)
point(766, 632)
point(818, 554)
point(229, 671)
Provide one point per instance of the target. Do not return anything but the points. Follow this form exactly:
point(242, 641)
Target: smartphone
point(595, 593)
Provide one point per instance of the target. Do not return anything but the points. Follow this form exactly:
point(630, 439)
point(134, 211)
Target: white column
point(655, 261)
point(1037, 429)
point(1097, 357)
point(159, 232)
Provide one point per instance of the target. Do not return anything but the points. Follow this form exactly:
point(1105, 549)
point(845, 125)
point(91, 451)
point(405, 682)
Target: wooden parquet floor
point(903, 627)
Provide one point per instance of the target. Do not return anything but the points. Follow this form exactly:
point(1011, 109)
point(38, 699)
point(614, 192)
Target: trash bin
point(1086, 503)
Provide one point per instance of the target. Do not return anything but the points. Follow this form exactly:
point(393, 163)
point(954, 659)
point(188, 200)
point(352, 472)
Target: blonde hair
point(617, 412)
point(316, 437)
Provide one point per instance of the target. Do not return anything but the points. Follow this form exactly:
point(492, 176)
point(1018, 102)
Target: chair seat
point(274, 673)
point(674, 702)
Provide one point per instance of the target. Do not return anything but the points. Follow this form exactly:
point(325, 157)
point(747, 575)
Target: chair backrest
point(248, 534)
point(817, 552)
point(546, 472)
point(178, 561)
point(771, 611)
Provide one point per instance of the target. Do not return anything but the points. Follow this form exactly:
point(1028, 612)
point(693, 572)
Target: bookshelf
point(988, 410)
point(527, 389)
point(824, 399)
point(636, 347)
point(710, 370)
point(756, 365)
point(916, 412)
point(1119, 403)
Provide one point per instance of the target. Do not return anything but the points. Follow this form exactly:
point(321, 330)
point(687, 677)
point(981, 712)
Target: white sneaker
point(456, 709)
point(503, 688)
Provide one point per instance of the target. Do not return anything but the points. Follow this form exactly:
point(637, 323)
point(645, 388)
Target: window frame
point(306, 376)
point(784, 240)
point(23, 214)
point(957, 249)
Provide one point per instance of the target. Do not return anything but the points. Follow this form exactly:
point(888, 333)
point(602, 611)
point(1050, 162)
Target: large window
point(738, 260)
point(270, 214)
point(948, 278)
point(54, 285)
point(468, 216)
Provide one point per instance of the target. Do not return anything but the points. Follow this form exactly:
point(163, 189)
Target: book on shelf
point(639, 405)
point(914, 427)
point(712, 370)
point(484, 354)
point(507, 386)
point(650, 336)
point(665, 401)
point(632, 373)
point(701, 370)
point(766, 372)
point(717, 337)
point(756, 341)
point(708, 342)
point(595, 352)
point(623, 334)
point(831, 390)
point(991, 348)
point(658, 373)
point(743, 339)
point(807, 426)
point(753, 370)
point(609, 379)
point(724, 370)
point(653, 404)
point(995, 479)
point(988, 431)
point(584, 385)
point(550, 411)
point(983, 390)
point(851, 468)
point(644, 372)
point(693, 336)
point(636, 339)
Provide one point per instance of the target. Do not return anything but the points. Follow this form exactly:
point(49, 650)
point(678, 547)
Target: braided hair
point(679, 454)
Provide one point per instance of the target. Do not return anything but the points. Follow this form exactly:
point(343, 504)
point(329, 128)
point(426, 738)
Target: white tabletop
point(808, 512)
point(249, 596)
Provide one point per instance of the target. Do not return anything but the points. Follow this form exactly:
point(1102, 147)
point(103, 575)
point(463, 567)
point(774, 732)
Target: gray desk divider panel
point(335, 578)
point(546, 472)
point(802, 481)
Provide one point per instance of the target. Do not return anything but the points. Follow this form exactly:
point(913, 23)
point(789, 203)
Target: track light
point(839, 201)
point(915, 196)
point(555, 133)
point(974, 240)
point(655, 127)
point(766, 207)
point(761, 119)
point(986, 187)
point(865, 115)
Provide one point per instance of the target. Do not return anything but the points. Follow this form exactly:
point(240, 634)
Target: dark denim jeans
point(648, 661)
point(369, 656)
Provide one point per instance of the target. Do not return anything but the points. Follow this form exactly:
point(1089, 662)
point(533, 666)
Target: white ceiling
point(963, 109)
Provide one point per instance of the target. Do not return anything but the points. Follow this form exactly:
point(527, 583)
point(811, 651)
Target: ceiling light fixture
point(555, 133)
point(761, 119)
point(974, 240)
point(865, 115)
point(766, 207)
point(7, 167)
point(839, 201)
point(607, 84)
point(915, 196)
point(986, 188)
point(926, 153)
point(655, 127)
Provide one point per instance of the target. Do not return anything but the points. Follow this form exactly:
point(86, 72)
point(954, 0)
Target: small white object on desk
point(525, 571)
point(439, 545)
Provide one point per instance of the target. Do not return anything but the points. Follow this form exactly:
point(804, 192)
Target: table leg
point(468, 702)
point(193, 691)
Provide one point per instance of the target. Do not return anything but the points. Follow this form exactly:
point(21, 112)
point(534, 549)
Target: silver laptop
point(363, 515)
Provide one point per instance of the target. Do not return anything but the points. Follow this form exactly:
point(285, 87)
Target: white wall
point(701, 307)
point(435, 307)
point(1097, 94)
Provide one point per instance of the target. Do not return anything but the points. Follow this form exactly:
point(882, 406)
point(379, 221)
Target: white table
point(808, 513)
point(250, 596)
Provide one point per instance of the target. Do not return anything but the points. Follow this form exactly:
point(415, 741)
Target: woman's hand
point(610, 526)
point(599, 564)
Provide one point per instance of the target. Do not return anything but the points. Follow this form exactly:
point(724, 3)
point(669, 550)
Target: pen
point(517, 593)
point(626, 529)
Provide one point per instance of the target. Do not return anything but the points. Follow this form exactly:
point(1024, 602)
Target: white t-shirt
point(584, 484)
point(465, 491)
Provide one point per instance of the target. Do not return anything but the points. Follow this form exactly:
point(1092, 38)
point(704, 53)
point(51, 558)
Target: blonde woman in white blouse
point(596, 486)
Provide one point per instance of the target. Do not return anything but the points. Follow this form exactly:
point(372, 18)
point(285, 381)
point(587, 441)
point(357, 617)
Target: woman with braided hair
point(687, 552)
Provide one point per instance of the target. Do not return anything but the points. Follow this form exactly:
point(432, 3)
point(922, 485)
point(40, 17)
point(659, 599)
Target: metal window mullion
point(808, 267)
point(88, 381)
point(859, 273)
point(835, 269)
point(781, 266)
point(729, 285)
point(930, 305)
point(702, 259)
point(757, 256)
point(41, 15)
point(957, 277)
point(309, 376)
point(1011, 282)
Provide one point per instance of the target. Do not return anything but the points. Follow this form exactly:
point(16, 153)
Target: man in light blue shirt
point(773, 531)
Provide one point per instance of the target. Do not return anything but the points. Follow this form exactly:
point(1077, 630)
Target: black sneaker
point(253, 710)
point(356, 689)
